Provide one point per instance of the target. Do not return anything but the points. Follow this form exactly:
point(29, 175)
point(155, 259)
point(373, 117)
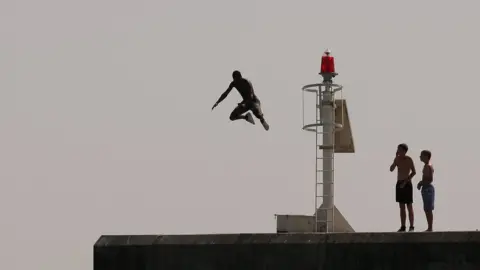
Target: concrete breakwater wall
point(342, 251)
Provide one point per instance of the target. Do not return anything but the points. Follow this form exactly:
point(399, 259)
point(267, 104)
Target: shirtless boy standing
point(404, 188)
point(428, 191)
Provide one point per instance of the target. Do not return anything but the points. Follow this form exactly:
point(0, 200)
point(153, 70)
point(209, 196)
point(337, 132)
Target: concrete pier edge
point(390, 251)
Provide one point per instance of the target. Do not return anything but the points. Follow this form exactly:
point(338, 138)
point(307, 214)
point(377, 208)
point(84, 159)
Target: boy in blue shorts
point(428, 191)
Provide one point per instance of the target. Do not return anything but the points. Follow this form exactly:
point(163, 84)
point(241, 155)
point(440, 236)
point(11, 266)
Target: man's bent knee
point(234, 117)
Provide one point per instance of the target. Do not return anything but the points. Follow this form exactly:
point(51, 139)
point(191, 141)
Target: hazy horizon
point(107, 128)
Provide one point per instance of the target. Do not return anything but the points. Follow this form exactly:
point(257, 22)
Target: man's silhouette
point(250, 101)
point(404, 188)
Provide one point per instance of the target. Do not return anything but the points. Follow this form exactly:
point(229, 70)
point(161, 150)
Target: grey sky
point(106, 127)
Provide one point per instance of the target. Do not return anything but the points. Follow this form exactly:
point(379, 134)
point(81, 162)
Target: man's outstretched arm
point(223, 96)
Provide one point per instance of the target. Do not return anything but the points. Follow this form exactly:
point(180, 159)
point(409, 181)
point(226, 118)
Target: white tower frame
point(324, 127)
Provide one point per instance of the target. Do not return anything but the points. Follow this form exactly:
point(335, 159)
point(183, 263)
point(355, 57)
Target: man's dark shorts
point(249, 105)
point(428, 196)
point(404, 195)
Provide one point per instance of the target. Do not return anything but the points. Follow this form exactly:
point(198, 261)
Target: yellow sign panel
point(344, 137)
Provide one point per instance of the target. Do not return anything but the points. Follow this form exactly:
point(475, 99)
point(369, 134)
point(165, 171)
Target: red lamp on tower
point(327, 68)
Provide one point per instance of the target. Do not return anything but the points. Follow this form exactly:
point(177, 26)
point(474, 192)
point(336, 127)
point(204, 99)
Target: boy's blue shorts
point(428, 196)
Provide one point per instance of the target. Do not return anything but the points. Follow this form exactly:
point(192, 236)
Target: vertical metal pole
point(317, 120)
point(327, 116)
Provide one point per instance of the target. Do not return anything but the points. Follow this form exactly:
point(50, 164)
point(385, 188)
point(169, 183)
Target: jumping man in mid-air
point(250, 101)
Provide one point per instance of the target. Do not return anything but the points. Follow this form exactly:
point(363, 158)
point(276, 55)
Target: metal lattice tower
point(333, 135)
point(324, 127)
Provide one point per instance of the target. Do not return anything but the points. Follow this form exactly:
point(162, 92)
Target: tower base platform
point(356, 251)
point(306, 224)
